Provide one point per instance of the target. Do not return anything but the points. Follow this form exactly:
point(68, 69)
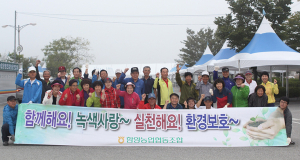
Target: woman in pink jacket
point(131, 99)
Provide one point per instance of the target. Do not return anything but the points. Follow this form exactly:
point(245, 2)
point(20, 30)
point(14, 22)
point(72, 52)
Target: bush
point(294, 92)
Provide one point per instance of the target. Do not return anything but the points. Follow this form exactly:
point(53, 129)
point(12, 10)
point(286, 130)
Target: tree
point(195, 45)
point(241, 24)
point(293, 31)
point(69, 52)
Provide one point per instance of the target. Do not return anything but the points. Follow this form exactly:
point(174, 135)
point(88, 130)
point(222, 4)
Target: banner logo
point(121, 140)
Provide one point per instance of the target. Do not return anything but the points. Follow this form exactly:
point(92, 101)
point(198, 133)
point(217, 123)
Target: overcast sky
point(138, 36)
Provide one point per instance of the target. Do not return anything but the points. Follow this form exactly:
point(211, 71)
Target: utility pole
point(15, 51)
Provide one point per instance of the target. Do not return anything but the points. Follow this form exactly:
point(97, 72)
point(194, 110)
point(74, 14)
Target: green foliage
point(292, 30)
point(244, 138)
point(195, 45)
point(294, 92)
point(235, 130)
point(241, 24)
point(225, 133)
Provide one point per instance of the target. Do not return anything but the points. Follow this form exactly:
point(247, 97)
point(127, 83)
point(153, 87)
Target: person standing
point(10, 113)
point(204, 87)
point(103, 76)
point(131, 99)
point(46, 81)
point(77, 77)
point(53, 96)
point(148, 81)
point(32, 87)
point(116, 81)
point(70, 96)
point(163, 87)
point(221, 94)
point(240, 92)
point(85, 92)
point(94, 98)
point(271, 88)
point(229, 83)
point(249, 82)
point(62, 77)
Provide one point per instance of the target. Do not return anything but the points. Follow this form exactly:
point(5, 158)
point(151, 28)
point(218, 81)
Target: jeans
point(5, 132)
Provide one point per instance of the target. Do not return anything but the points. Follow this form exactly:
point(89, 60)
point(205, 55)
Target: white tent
point(207, 55)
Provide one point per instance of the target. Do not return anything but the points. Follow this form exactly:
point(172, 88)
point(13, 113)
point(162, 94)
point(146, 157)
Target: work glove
point(225, 106)
point(217, 68)
point(21, 71)
point(30, 102)
point(211, 92)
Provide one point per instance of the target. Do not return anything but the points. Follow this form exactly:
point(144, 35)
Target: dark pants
point(183, 106)
point(122, 106)
point(5, 132)
point(271, 105)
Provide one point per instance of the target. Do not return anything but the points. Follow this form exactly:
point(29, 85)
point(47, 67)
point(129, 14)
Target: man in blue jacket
point(139, 84)
point(229, 83)
point(10, 113)
point(32, 87)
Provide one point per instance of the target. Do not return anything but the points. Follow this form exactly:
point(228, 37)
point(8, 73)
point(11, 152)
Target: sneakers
point(292, 143)
point(5, 143)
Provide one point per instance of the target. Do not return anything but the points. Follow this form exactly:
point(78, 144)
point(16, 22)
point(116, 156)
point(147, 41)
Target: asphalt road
point(73, 152)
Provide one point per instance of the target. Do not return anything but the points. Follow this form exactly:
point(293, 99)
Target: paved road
point(74, 152)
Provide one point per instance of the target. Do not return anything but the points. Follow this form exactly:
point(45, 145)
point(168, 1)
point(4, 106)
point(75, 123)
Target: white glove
point(211, 92)
point(289, 140)
point(225, 106)
point(30, 102)
point(96, 72)
point(20, 70)
point(217, 68)
point(86, 66)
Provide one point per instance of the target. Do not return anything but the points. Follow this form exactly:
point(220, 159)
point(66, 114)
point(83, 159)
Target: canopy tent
point(183, 69)
point(207, 55)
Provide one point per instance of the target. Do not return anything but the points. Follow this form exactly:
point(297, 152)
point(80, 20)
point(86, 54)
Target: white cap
point(31, 69)
point(205, 73)
point(118, 71)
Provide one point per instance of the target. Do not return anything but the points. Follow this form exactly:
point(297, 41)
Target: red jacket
point(147, 106)
point(71, 100)
point(112, 100)
point(82, 100)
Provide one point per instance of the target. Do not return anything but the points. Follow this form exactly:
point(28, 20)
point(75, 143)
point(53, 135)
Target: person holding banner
point(240, 92)
point(174, 97)
point(53, 96)
point(258, 98)
point(131, 99)
point(221, 94)
point(151, 102)
point(70, 96)
point(86, 90)
point(109, 97)
point(190, 103)
point(10, 113)
point(271, 88)
point(77, 77)
point(94, 98)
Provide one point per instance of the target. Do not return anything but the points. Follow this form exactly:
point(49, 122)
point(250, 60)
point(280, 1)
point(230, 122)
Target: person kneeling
point(174, 102)
point(10, 113)
point(70, 96)
point(152, 102)
point(53, 96)
point(94, 98)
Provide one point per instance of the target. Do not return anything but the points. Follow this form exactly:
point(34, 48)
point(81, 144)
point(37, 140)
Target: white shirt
point(31, 81)
point(203, 107)
point(251, 86)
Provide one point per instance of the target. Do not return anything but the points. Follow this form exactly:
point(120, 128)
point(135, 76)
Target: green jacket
point(79, 85)
point(93, 101)
point(240, 96)
point(186, 90)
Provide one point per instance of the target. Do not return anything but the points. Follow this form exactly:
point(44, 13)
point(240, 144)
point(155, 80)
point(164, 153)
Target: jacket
point(93, 101)
point(10, 117)
point(122, 88)
point(112, 100)
point(84, 96)
point(222, 98)
point(147, 106)
point(271, 89)
point(169, 106)
point(251, 86)
point(49, 100)
point(139, 85)
point(62, 82)
point(288, 122)
point(94, 78)
point(255, 101)
point(78, 83)
point(229, 83)
point(32, 92)
point(71, 100)
point(240, 96)
point(204, 89)
point(163, 91)
point(131, 101)
point(148, 85)
point(186, 90)
point(46, 86)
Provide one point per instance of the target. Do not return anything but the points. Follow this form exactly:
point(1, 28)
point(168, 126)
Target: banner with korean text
point(89, 126)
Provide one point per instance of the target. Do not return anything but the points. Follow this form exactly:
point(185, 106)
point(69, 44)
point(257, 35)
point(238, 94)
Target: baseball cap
point(107, 79)
point(10, 98)
point(61, 68)
point(134, 69)
point(225, 69)
point(248, 72)
point(151, 95)
point(208, 98)
point(118, 71)
point(31, 69)
point(205, 73)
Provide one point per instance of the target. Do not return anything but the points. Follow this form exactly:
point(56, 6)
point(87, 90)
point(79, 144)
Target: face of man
point(62, 73)
point(146, 71)
point(118, 75)
point(103, 75)
point(208, 104)
point(283, 104)
point(205, 79)
point(164, 73)
point(135, 75)
point(108, 84)
point(152, 101)
point(188, 79)
point(74, 87)
point(46, 75)
point(248, 77)
point(32, 75)
point(174, 100)
point(12, 103)
point(225, 74)
point(76, 73)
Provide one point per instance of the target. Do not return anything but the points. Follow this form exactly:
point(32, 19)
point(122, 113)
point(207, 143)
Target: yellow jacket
point(164, 91)
point(271, 89)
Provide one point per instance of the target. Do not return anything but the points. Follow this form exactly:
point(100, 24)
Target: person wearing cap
point(53, 96)
point(46, 81)
point(250, 82)
point(163, 87)
point(271, 88)
point(77, 77)
point(32, 87)
point(204, 87)
point(62, 77)
point(85, 92)
point(174, 97)
point(240, 92)
point(116, 80)
point(148, 82)
point(221, 94)
point(10, 113)
point(94, 98)
point(258, 98)
point(229, 83)
point(131, 99)
point(187, 87)
point(109, 96)
point(138, 83)
point(151, 102)
point(103, 76)
point(208, 101)
point(71, 97)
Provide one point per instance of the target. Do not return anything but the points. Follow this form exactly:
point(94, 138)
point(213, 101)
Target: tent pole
point(282, 83)
point(270, 78)
point(287, 81)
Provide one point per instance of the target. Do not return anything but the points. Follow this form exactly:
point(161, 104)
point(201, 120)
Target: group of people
point(145, 93)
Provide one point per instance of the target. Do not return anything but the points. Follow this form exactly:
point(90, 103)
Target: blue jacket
point(31, 92)
point(122, 88)
point(95, 79)
point(61, 82)
point(139, 84)
point(229, 83)
point(10, 117)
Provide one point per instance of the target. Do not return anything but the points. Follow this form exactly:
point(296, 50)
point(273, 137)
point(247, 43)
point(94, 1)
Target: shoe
point(5, 143)
point(292, 143)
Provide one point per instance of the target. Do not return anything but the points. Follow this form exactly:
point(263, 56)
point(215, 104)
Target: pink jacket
point(131, 101)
